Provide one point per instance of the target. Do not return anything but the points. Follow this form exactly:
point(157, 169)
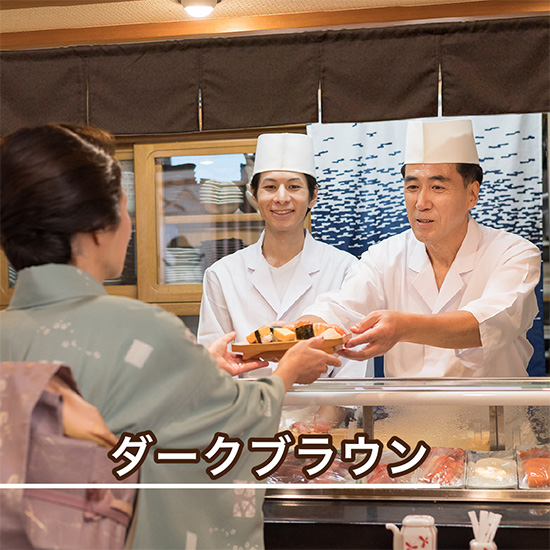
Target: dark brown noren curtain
point(496, 67)
point(384, 74)
point(37, 87)
point(487, 67)
point(144, 88)
point(268, 81)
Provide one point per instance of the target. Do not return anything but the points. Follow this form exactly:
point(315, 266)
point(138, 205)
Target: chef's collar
point(464, 258)
point(308, 253)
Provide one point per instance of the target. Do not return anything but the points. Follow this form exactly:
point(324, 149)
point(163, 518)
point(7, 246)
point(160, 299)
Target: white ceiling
point(16, 16)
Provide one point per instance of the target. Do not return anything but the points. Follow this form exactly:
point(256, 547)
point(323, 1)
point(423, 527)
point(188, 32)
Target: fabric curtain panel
point(496, 67)
point(42, 86)
point(487, 67)
point(380, 74)
point(144, 89)
point(259, 81)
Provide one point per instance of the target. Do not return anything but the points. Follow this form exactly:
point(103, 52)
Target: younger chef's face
point(284, 199)
point(438, 204)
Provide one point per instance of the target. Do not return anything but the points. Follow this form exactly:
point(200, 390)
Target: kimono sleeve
point(181, 395)
point(179, 392)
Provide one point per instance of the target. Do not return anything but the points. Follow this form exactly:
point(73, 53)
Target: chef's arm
point(379, 331)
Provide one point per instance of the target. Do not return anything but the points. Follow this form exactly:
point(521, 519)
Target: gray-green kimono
point(140, 366)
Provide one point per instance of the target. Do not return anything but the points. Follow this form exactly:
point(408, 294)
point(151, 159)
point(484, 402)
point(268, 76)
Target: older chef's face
point(283, 199)
point(438, 204)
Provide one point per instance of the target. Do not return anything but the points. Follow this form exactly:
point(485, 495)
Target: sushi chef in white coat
point(284, 271)
point(448, 297)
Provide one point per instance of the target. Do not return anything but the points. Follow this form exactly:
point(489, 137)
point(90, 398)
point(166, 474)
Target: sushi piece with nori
point(303, 332)
point(257, 336)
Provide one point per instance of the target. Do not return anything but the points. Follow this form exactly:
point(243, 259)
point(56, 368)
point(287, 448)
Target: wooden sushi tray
point(275, 350)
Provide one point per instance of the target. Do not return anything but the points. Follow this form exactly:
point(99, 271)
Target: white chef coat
point(239, 294)
point(493, 276)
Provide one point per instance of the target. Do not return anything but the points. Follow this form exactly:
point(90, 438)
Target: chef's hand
point(379, 332)
point(229, 360)
point(304, 362)
point(81, 420)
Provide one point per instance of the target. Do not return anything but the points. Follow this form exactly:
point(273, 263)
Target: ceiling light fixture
point(199, 8)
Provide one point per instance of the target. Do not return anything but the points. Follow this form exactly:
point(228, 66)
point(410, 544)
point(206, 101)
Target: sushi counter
point(351, 524)
point(441, 447)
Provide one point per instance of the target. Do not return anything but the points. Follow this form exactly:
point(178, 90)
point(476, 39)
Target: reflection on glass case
point(206, 207)
point(467, 439)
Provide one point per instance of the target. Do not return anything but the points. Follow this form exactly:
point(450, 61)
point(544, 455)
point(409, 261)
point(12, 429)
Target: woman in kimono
point(65, 228)
point(283, 272)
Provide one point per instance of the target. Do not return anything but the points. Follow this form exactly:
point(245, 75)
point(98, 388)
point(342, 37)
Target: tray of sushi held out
point(273, 350)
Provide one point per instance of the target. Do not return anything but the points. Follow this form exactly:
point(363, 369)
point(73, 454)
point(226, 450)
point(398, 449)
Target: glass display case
point(489, 443)
point(461, 421)
point(193, 197)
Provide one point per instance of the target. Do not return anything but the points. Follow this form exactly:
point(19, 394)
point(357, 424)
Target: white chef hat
point(441, 141)
point(284, 152)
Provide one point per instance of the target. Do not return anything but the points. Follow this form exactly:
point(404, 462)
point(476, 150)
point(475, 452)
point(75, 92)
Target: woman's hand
point(304, 362)
point(230, 361)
